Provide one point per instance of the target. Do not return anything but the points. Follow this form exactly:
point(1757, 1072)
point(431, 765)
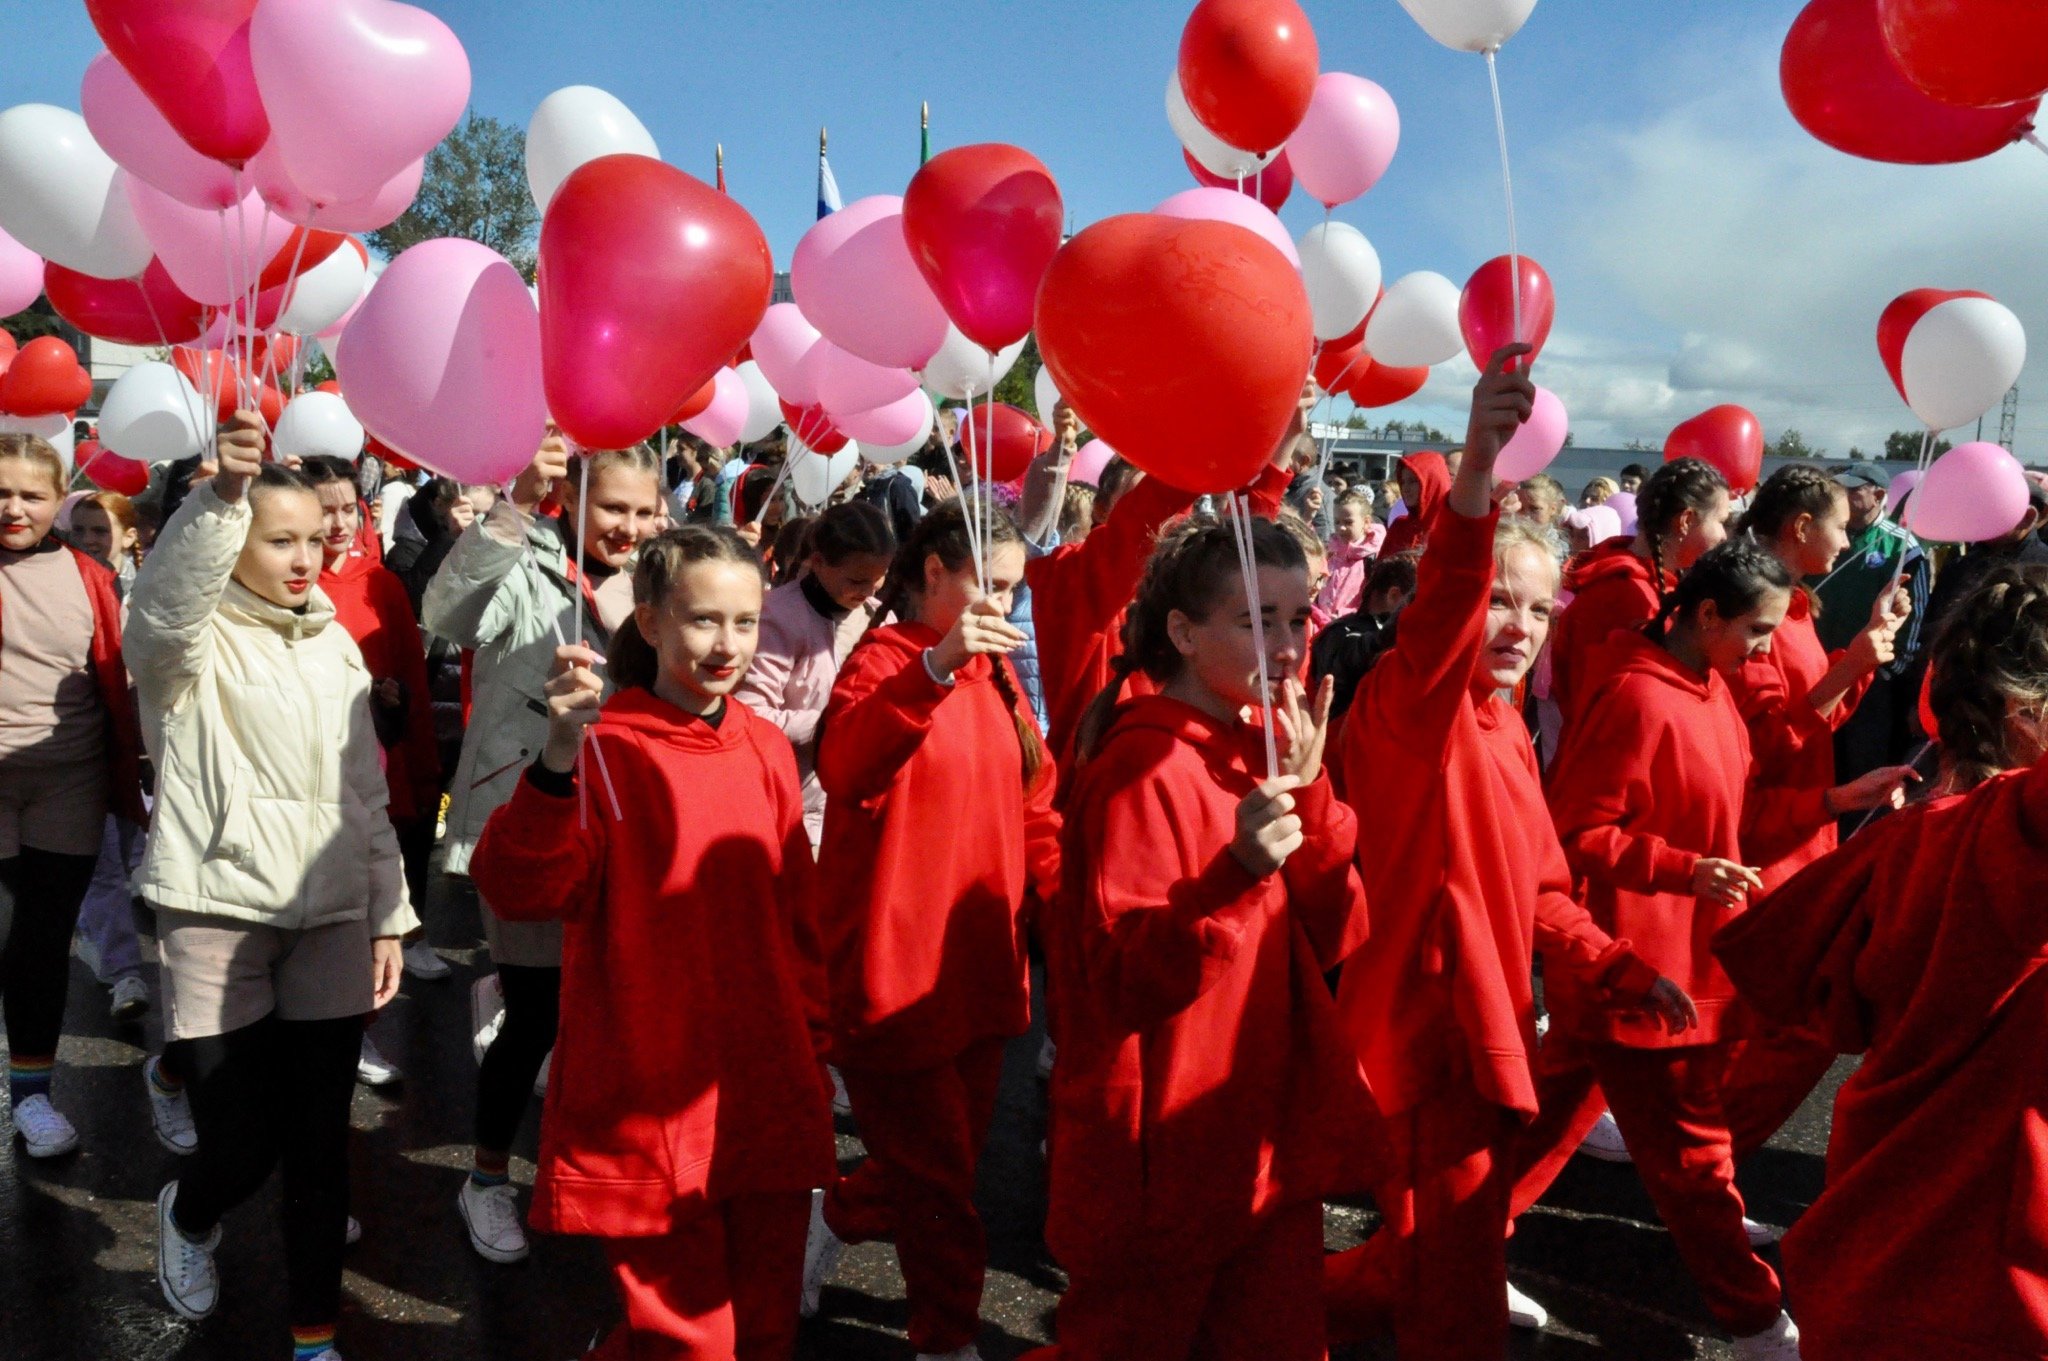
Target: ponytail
point(1678, 486)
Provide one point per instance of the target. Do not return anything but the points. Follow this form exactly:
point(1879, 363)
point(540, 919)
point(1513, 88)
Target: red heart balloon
point(1843, 86)
point(44, 379)
point(1142, 316)
point(649, 280)
point(217, 374)
point(1728, 438)
point(983, 222)
point(812, 426)
point(1011, 437)
point(1486, 309)
point(191, 58)
point(110, 471)
point(7, 346)
point(1270, 185)
point(1898, 321)
point(1248, 69)
point(150, 310)
point(1339, 364)
point(1975, 53)
point(1383, 385)
point(696, 404)
point(303, 249)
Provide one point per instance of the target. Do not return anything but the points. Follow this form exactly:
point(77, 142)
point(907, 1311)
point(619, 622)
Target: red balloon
point(1486, 310)
point(1383, 385)
point(217, 374)
point(649, 280)
point(191, 58)
point(1012, 445)
point(1340, 364)
point(109, 471)
point(6, 343)
point(44, 379)
point(696, 404)
point(294, 259)
point(1725, 437)
point(1843, 86)
point(983, 222)
point(1142, 317)
point(150, 310)
point(1270, 185)
point(1248, 69)
point(814, 428)
point(1975, 53)
point(1898, 322)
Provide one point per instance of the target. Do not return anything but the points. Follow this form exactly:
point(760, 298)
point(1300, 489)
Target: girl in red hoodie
point(1438, 1003)
point(686, 1118)
point(1921, 944)
point(938, 824)
point(1205, 1099)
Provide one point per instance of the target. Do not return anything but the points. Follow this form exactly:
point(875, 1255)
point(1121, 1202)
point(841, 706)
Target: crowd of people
point(771, 814)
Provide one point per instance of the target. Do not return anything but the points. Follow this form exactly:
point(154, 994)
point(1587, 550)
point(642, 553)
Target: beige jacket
point(270, 801)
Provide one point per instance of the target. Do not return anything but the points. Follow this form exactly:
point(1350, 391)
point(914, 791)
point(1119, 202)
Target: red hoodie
point(1204, 1080)
point(686, 1070)
point(1922, 941)
point(1411, 531)
point(371, 604)
point(1466, 879)
point(1612, 589)
point(931, 843)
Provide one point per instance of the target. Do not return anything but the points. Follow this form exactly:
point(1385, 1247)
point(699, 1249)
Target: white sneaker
point(822, 1250)
point(131, 998)
point(967, 1353)
point(1543, 1026)
point(540, 1079)
point(1779, 1342)
point(1048, 1053)
point(44, 1131)
point(422, 962)
point(353, 1234)
point(373, 1069)
point(486, 1013)
point(491, 1214)
point(170, 1114)
point(842, 1104)
point(1524, 1312)
point(184, 1269)
point(1604, 1141)
point(1760, 1235)
point(329, 1355)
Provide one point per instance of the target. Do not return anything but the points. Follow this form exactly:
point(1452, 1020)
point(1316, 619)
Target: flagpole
point(924, 132)
point(721, 168)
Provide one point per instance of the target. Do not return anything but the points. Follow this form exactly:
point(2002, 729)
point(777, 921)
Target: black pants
point(40, 892)
point(504, 1086)
point(275, 1091)
point(415, 849)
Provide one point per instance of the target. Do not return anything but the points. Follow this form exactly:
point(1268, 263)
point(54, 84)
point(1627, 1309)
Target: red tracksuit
point(1206, 1099)
point(1438, 1003)
point(1612, 590)
point(1922, 942)
point(1411, 531)
point(931, 845)
point(686, 1116)
point(1650, 784)
point(371, 604)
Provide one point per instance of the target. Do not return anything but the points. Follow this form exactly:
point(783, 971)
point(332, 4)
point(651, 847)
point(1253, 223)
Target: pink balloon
point(1089, 462)
point(1227, 205)
point(1538, 443)
point(288, 201)
point(1623, 503)
point(211, 255)
point(1972, 493)
point(782, 345)
point(1348, 139)
point(885, 427)
point(719, 425)
point(21, 276)
point(442, 362)
point(848, 384)
point(1899, 488)
point(129, 128)
point(855, 280)
point(356, 90)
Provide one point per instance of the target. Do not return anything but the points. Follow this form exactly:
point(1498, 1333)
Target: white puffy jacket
point(270, 803)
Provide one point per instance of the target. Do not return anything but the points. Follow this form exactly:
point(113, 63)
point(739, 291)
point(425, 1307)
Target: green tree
point(1792, 444)
point(1017, 387)
point(36, 320)
point(474, 187)
point(1904, 445)
point(1356, 421)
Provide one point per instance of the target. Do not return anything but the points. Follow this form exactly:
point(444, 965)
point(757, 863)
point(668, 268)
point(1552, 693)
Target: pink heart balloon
point(719, 425)
point(1242, 210)
point(141, 140)
point(212, 256)
point(1089, 462)
point(288, 201)
point(21, 276)
point(854, 277)
point(1538, 443)
point(888, 426)
point(782, 345)
point(1347, 140)
point(848, 384)
point(1974, 493)
point(192, 59)
point(356, 90)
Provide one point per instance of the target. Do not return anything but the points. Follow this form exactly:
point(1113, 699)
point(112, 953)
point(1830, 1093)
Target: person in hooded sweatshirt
point(1921, 944)
point(1424, 479)
point(938, 829)
point(686, 1117)
point(1438, 1003)
point(1351, 551)
point(1205, 1100)
point(1649, 798)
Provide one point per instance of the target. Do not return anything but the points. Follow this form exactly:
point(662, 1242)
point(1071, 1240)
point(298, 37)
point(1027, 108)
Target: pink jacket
point(1350, 565)
point(792, 677)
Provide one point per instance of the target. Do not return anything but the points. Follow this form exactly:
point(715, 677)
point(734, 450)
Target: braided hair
point(1736, 576)
point(1992, 654)
point(1794, 490)
point(1684, 484)
point(663, 560)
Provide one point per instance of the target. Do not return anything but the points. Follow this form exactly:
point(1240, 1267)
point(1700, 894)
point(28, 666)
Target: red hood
point(1611, 560)
point(1630, 653)
point(643, 711)
point(1160, 713)
point(1434, 473)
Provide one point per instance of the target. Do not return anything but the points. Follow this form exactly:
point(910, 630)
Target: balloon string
point(1507, 180)
point(252, 278)
point(1241, 534)
point(192, 405)
point(1905, 512)
point(988, 487)
point(2034, 139)
point(590, 740)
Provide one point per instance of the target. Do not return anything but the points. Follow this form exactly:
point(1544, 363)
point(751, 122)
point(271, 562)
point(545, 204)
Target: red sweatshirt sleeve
point(877, 719)
point(795, 891)
point(1268, 491)
point(1041, 821)
point(1852, 697)
point(1421, 685)
point(1323, 887)
point(1599, 784)
point(1566, 933)
point(1779, 732)
point(534, 863)
point(1082, 588)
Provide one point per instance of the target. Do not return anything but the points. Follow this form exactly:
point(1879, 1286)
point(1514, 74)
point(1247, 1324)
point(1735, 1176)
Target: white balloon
point(1342, 272)
point(1416, 324)
point(318, 423)
point(764, 408)
point(323, 294)
point(55, 431)
point(1960, 360)
point(1217, 156)
point(1047, 395)
point(574, 126)
point(153, 414)
point(961, 368)
point(64, 198)
point(814, 477)
point(1470, 25)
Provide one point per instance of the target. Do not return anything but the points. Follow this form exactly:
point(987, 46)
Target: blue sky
point(1703, 248)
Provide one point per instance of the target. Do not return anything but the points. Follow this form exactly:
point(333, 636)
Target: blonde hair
point(1515, 532)
point(37, 450)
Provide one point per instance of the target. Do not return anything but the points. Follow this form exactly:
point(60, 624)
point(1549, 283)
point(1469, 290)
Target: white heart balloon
point(1046, 393)
point(1416, 323)
point(153, 413)
point(1217, 156)
point(814, 477)
point(55, 431)
point(64, 198)
point(323, 295)
point(318, 424)
point(1470, 25)
point(1960, 359)
point(961, 368)
point(764, 408)
point(573, 127)
point(1342, 272)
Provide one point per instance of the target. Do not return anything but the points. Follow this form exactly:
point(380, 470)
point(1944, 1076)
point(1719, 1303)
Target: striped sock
point(308, 1343)
point(27, 1077)
point(491, 1169)
point(163, 1081)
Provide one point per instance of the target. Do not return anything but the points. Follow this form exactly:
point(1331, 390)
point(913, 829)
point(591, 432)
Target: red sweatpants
point(1263, 1302)
point(1771, 1072)
point(722, 1287)
point(1437, 1271)
point(1571, 1101)
point(924, 1133)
